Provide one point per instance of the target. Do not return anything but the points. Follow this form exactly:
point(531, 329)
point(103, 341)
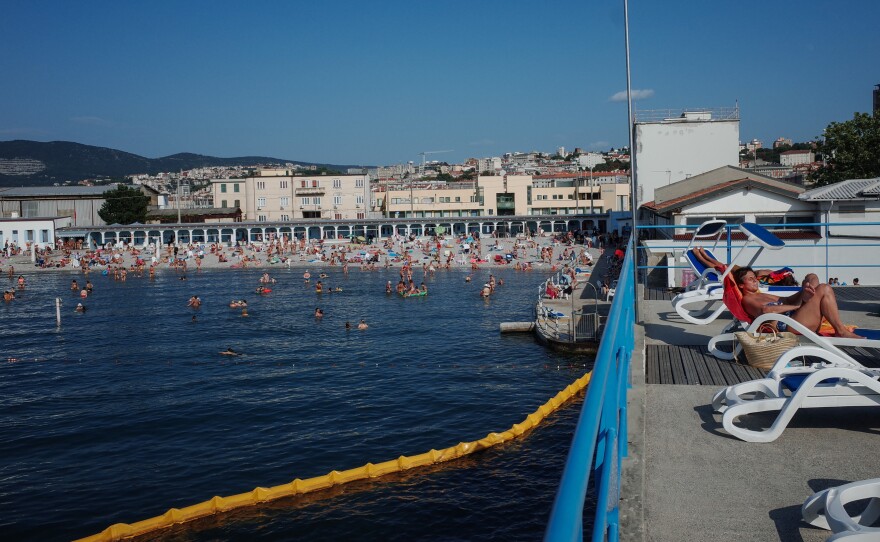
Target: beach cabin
point(812, 223)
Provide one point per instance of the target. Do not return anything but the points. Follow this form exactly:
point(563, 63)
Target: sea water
point(128, 409)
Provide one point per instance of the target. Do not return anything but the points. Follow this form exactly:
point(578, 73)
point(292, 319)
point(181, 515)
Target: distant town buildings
point(781, 142)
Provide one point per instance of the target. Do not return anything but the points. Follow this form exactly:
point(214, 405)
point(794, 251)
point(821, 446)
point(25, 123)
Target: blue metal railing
point(843, 236)
point(599, 441)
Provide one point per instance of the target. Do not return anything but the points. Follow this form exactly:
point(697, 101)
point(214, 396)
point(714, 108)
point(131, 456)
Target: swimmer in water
point(230, 352)
point(363, 324)
point(80, 307)
point(244, 312)
point(347, 326)
point(319, 313)
point(307, 276)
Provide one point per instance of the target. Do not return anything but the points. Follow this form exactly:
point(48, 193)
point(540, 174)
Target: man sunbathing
point(807, 307)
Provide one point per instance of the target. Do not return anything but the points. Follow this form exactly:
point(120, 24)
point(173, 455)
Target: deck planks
point(689, 365)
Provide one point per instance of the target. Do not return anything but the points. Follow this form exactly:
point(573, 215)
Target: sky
point(377, 83)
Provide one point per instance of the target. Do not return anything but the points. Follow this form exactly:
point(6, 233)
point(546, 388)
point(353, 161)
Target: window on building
point(235, 188)
point(305, 201)
point(314, 184)
point(359, 183)
point(29, 209)
point(261, 202)
point(304, 184)
point(457, 199)
point(337, 200)
point(238, 204)
point(360, 215)
point(261, 185)
point(337, 183)
point(284, 202)
point(337, 216)
point(29, 236)
point(223, 188)
point(359, 200)
point(261, 218)
point(283, 184)
point(316, 201)
point(285, 218)
point(44, 236)
point(223, 203)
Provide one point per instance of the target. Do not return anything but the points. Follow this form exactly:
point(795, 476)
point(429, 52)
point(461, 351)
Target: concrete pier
point(687, 479)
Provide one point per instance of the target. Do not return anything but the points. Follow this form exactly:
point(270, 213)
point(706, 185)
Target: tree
point(851, 150)
point(124, 205)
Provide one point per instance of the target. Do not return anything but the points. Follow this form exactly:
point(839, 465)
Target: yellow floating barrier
point(174, 516)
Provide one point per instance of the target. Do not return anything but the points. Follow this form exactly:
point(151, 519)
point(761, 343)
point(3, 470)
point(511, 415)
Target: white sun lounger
point(702, 305)
point(825, 510)
point(837, 381)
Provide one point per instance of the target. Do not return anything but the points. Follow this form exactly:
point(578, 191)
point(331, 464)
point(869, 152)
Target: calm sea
point(128, 410)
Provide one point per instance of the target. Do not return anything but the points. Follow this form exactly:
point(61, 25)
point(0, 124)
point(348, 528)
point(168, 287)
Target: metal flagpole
point(634, 185)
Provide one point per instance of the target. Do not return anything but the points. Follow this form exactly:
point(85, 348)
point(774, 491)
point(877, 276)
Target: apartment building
point(273, 198)
point(506, 195)
point(794, 158)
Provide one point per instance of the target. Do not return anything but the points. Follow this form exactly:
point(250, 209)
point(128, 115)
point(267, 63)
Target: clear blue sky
point(358, 82)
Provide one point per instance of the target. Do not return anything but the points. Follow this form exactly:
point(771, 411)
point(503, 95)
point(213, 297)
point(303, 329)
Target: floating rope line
point(174, 516)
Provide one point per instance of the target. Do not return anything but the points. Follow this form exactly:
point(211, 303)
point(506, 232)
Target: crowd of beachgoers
point(435, 252)
point(408, 254)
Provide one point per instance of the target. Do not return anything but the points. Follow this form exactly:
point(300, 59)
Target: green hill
point(35, 163)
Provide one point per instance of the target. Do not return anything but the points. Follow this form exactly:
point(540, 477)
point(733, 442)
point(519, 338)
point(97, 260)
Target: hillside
point(34, 163)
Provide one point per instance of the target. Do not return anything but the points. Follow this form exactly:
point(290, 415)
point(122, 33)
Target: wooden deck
point(693, 365)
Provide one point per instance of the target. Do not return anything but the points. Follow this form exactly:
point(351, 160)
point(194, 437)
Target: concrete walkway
point(686, 479)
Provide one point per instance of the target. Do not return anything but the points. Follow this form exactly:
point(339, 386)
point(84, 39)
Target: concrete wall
point(670, 151)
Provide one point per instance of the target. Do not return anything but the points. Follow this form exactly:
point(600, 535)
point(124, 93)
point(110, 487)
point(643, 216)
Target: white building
point(794, 158)
point(737, 196)
point(590, 160)
point(669, 149)
point(24, 232)
point(488, 164)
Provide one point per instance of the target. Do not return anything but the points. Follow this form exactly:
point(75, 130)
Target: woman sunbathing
point(814, 302)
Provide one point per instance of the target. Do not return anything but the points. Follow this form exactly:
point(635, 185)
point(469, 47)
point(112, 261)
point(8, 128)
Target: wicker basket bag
point(763, 348)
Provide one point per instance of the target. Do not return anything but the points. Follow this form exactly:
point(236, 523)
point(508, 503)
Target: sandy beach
point(382, 253)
